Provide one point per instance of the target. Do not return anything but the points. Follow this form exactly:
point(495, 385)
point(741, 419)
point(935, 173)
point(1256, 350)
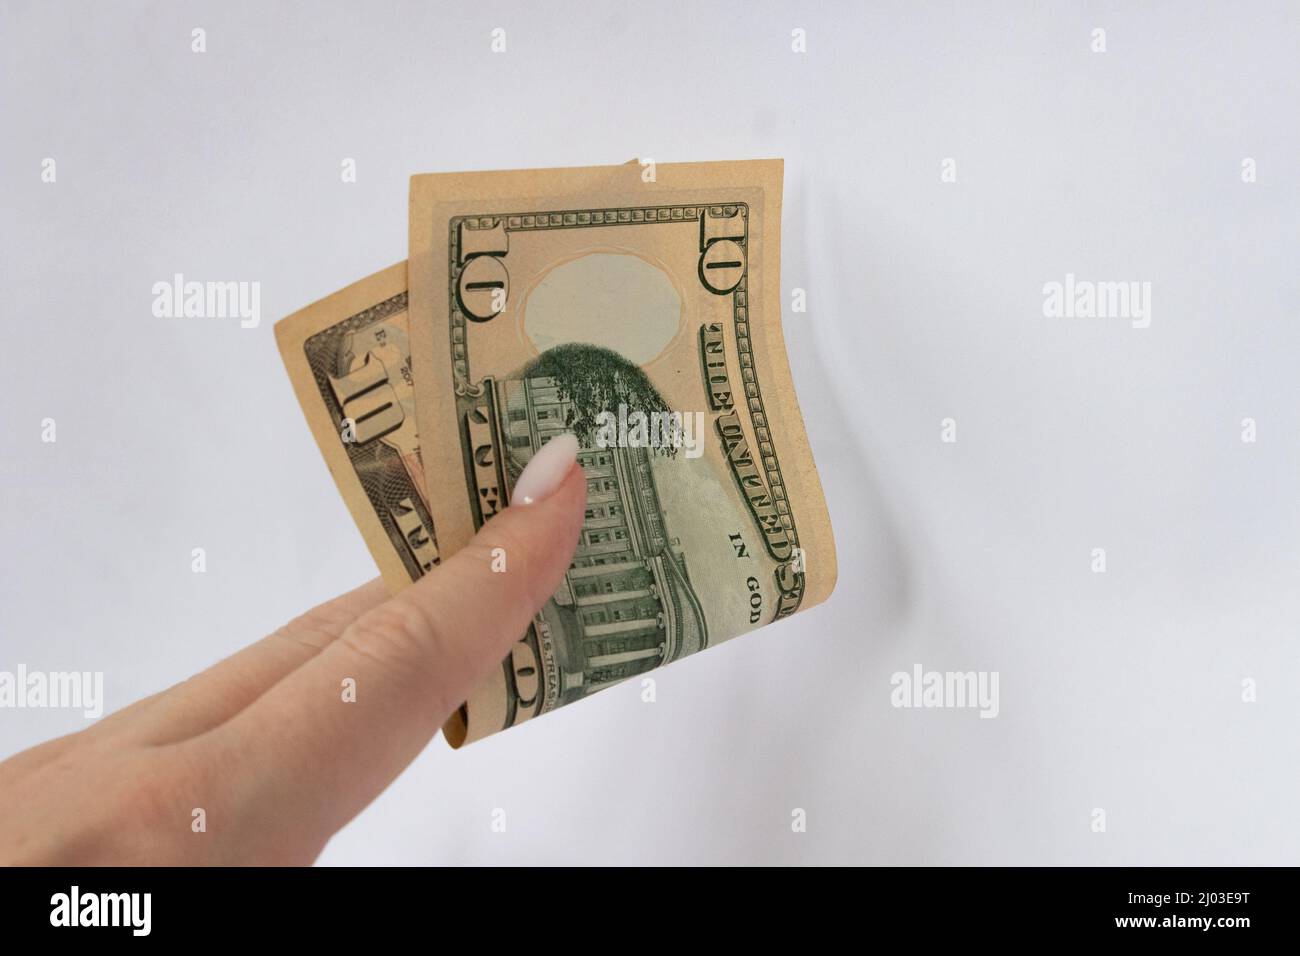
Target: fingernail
point(545, 470)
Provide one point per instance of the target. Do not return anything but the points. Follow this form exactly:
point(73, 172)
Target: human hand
point(263, 742)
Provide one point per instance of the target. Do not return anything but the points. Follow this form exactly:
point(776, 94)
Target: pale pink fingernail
point(544, 472)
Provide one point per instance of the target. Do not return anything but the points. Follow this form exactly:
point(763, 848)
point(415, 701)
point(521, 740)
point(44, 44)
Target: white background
point(1120, 691)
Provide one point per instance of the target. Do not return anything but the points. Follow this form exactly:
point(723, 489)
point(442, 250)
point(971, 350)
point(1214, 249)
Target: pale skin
point(264, 743)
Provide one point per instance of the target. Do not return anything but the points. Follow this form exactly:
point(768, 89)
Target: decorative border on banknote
point(379, 469)
point(578, 219)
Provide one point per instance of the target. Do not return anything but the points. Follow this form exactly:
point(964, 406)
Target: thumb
point(462, 619)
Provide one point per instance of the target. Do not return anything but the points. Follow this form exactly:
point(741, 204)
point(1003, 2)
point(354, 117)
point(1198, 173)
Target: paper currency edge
point(292, 333)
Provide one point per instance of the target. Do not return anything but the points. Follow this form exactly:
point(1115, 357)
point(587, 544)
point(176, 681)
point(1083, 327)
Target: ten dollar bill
point(349, 362)
point(544, 301)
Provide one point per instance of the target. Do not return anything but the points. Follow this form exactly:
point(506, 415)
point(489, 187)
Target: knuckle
point(399, 636)
point(152, 808)
point(301, 636)
point(327, 619)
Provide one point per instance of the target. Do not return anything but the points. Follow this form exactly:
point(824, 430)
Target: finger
point(28, 760)
point(212, 697)
point(413, 659)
